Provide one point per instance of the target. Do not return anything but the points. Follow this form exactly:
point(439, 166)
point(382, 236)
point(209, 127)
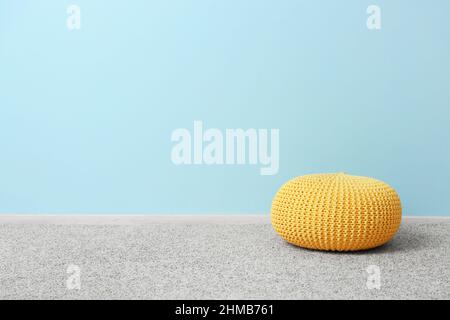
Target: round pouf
point(336, 212)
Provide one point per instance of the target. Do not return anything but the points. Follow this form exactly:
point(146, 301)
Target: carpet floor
point(209, 258)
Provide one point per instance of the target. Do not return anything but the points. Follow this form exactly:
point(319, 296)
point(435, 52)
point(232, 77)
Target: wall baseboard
point(152, 219)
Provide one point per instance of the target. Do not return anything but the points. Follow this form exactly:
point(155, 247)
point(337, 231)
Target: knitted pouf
point(336, 212)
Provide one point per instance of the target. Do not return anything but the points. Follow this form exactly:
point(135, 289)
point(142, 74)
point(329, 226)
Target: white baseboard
point(152, 219)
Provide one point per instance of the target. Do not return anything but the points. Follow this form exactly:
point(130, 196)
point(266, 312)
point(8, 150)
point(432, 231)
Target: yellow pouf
point(337, 212)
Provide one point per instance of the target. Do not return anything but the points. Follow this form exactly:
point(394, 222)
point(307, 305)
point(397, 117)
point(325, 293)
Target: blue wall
point(86, 116)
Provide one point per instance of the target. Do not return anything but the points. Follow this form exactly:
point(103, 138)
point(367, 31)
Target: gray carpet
point(210, 258)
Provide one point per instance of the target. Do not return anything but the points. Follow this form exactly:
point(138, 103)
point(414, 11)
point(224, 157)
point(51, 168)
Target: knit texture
point(336, 212)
